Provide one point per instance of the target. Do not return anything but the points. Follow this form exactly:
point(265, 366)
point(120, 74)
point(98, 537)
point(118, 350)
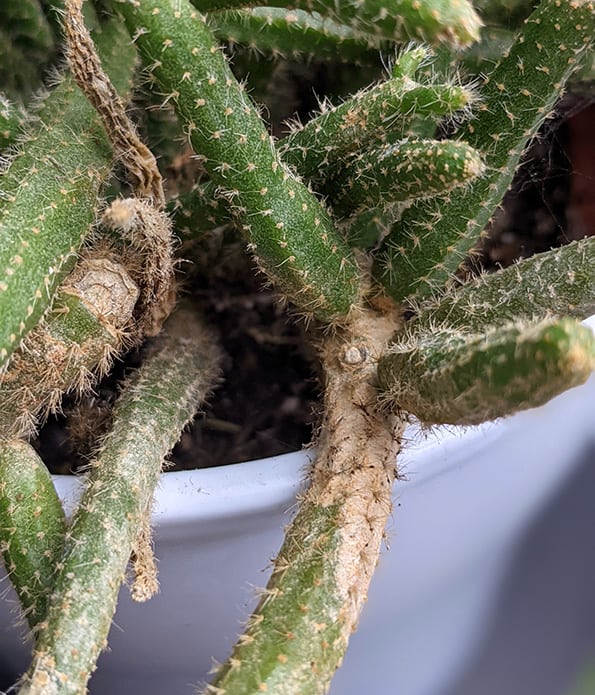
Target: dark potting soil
point(267, 401)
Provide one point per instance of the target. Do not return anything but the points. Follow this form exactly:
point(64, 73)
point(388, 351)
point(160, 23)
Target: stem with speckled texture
point(431, 240)
point(158, 401)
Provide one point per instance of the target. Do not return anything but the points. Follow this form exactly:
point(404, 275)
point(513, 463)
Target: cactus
point(49, 197)
point(85, 328)
point(283, 33)
point(431, 240)
point(290, 234)
point(409, 170)
point(32, 526)
point(153, 408)
point(555, 283)
point(457, 23)
point(459, 378)
point(367, 119)
point(399, 331)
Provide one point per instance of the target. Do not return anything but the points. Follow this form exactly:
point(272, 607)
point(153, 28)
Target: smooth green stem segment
point(428, 20)
point(154, 406)
point(75, 342)
point(49, 196)
point(559, 282)
point(431, 240)
point(459, 378)
point(12, 118)
point(298, 634)
point(293, 33)
point(318, 149)
point(32, 527)
point(410, 169)
point(292, 237)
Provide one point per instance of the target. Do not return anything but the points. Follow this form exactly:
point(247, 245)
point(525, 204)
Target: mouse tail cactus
point(360, 218)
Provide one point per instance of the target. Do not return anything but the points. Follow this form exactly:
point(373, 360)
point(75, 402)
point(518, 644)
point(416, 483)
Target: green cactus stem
point(400, 20)
point(26, 47)
point(408, 170)
point(72, 345)
point(154, 406)
point(317, 149)
point(49, 195)
point(484, 55)
point(299, 632)
point(28, 26)
point(432, 238)
point(289, 233)
point(198, 210)
point(18, 77)
point(12, 119)
point(448, 376)
point(32, 527)
point(293, 33)
point(367, 229)
point(555, 283)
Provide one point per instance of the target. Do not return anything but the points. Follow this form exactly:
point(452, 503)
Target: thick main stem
point(298, 634)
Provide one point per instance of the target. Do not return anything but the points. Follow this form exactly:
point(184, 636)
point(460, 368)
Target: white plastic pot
point(454, 608)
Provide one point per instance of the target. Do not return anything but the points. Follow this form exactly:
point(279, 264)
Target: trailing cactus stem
point(428, 20)
point(154, 406)
point(428, 244)
point(32, 526)
point(404, 171)
point(299, 632)
point(555, 283)
point(291, 235)
point(366, 119)
point(48, 197)
point(293, 33)
point(446, 376)
point(73, 344)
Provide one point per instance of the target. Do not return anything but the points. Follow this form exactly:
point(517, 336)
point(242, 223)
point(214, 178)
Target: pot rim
point(261, 485)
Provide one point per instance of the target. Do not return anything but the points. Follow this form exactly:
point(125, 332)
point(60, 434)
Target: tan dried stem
point(148, 236)
point(141, 220)
point(357, 449)
point(145, 583)
point(135, 156)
